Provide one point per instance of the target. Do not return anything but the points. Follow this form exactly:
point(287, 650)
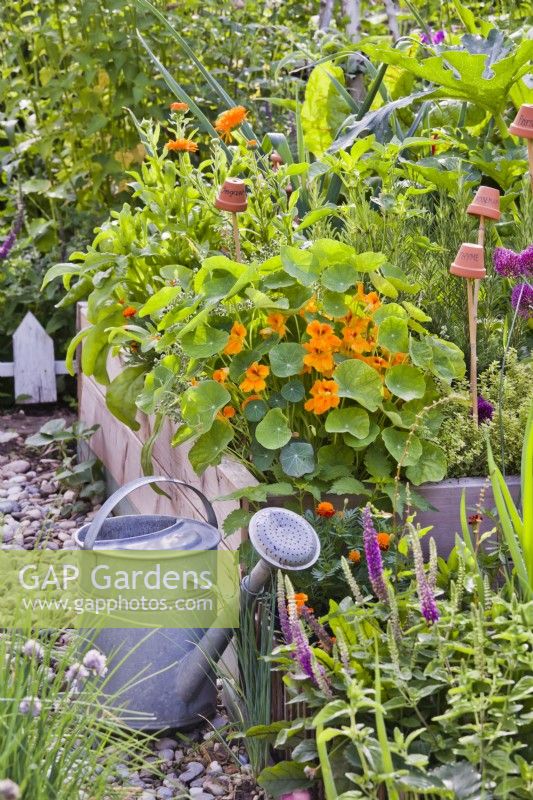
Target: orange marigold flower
point(325, 509)
point(236, 339)
point(354, 556)
point(383, 540)
point(182, 145)
point(228, 412)
point(317, 358)
point(323, 397)
point(229, 120)
point(183, 107)
point(129, 311)
point(255, 378)
point(220, 375)
point(249, 400)
point(300, 599)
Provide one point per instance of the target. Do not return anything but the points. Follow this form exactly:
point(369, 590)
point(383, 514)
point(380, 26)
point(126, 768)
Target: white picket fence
point(34, 367)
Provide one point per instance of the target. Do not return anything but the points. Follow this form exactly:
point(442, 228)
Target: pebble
point(166, 744)
point(20, 465)
point(167, 754)
point(194, 770)
point(9, 507)
point(199, 794)
point(217, 788)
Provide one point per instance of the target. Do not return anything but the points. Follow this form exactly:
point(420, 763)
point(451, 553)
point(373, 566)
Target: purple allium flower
point(9, 790)
point(30, 705)
point(506, 262)
point(485, 409)
point(96, 662)
point(526, 262)
point(522, 299)
point(32, 649)
point(373, 556)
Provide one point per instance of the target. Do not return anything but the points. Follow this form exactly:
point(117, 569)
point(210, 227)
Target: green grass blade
point(527, 495)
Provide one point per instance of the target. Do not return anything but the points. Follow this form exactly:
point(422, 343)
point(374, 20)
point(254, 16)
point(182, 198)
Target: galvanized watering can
point(163, 677)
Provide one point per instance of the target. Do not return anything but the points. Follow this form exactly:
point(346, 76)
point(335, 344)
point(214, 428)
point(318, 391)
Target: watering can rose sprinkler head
point(283, 540)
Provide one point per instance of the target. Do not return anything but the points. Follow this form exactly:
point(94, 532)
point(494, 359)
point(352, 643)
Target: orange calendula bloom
point(182, 145)
point(324, 395)
point(229, 120)
point(383, 540)
point(220, 375)
point(354, 556)
point(300, 599)
point(255, 378)
point(129, 311)
point(182, 107)
point(236, 339)
point(317, 358)
point(249, 400)
point(325, 509)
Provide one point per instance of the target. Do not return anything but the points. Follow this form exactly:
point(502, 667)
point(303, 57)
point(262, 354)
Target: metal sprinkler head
point(284, 539)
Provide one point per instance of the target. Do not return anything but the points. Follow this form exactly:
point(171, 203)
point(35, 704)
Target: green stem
point(327, 775)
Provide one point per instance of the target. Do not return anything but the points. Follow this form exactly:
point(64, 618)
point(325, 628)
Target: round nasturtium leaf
point(293, 391)
point(255, 410)
point(360, 382)
point(286, 359)
point(360, 444)
point(297, 459)
point(348, 420)
point(204, 341)
point(404, 447)
point(273, 431)
point(261, 457)
point(393, 334)
point(430, 467)
point(406, 382)
point(200, 404)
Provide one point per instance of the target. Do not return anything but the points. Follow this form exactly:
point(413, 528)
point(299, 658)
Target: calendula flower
point(255, 378)
point(220, 375)
point(180, 107)
point(300, 599)
point(236, 339)
point(383, 540)
point(317, 358)
point(276, 324)
point(229, 120)
point(129, 311)
point(182, 145)
point(324, 395)
point(354, 556)
point(325, 509)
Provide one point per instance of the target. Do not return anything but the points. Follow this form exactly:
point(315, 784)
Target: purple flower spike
point(16, 228)
point(438, 37)
point(522, 299)
point(428, 606)
point(506, 262)
point(373, 556)
point(424, 38)
point(485, 410)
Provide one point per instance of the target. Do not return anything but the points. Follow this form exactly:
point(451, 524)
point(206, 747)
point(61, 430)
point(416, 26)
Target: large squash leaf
point(324, 109)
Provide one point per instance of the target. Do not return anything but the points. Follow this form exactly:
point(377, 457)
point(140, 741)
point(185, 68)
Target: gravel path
point(35, 512)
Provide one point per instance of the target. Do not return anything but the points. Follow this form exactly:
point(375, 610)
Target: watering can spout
point(283, 540)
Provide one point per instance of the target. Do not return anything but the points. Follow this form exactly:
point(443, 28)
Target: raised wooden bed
point(119, 448)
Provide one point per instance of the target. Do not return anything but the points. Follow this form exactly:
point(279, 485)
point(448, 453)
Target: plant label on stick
point(523, 126)
point(232, 198)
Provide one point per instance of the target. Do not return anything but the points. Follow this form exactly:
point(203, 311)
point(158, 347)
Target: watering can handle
point(124, 491)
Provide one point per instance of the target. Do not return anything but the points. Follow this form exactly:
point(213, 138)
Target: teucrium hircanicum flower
point(282, 610)
point(373, 556)
point(428, 606)
point(352, 583)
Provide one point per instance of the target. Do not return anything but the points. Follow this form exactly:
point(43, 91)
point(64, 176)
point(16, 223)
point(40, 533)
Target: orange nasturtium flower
point(228, 412)
point(325, 509)
point(300, 599)
point(323, 397)
point(371, 300)
point(129, 311)
point(220, 375)
point(276, 324)
point(182, 145)
point(236, 339)
point(354, 556)
point(322, 335)
point(317, 358)
point(383, 540)
point(355, 343)
point(255, 378)
point(229, 120)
